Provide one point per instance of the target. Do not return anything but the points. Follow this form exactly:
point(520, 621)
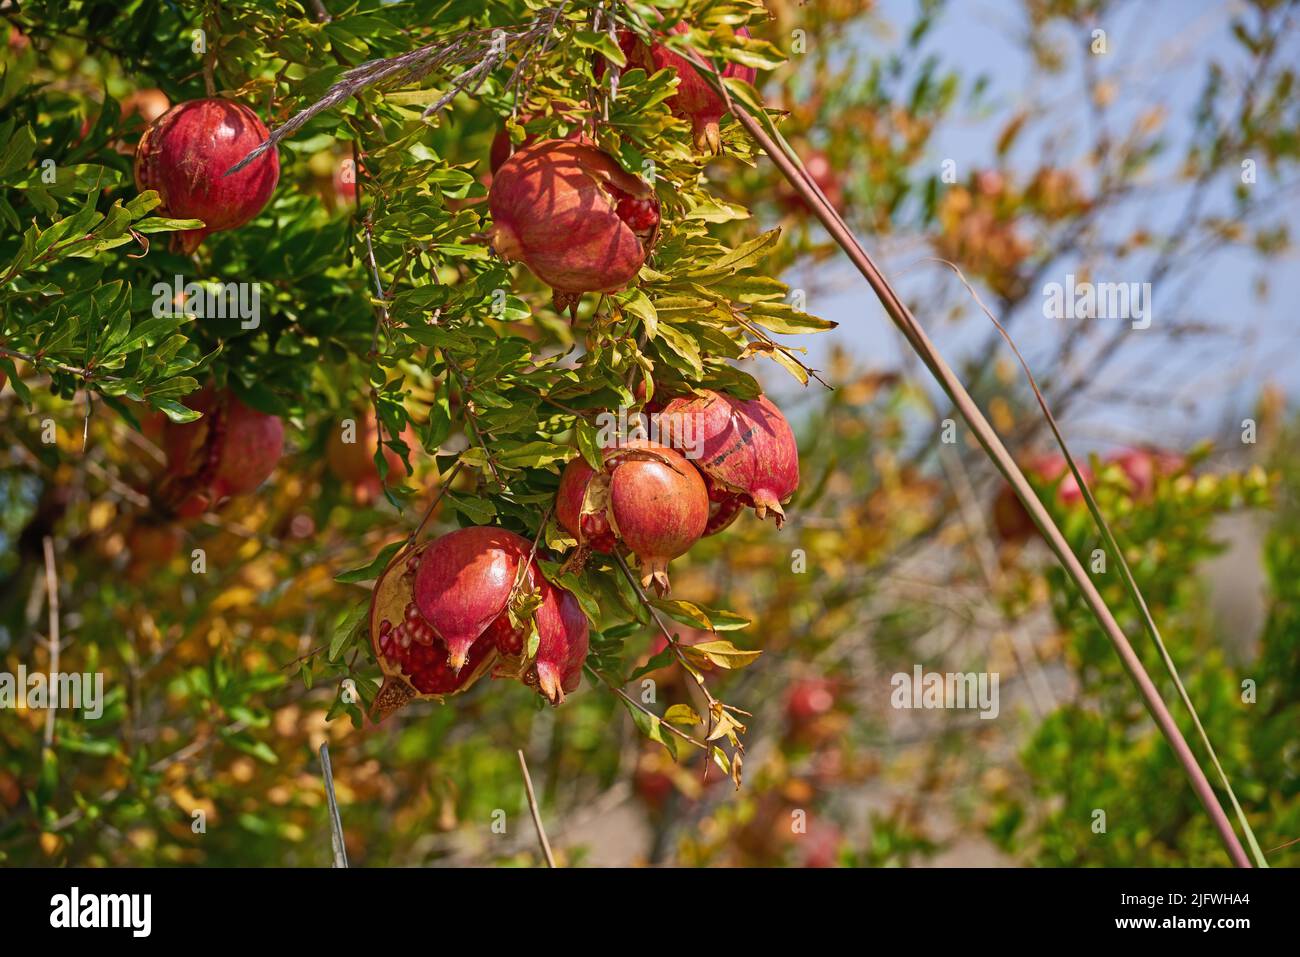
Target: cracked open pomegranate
point(744, 447)
point(695, 100)
point(648, 498)
point(229, 451)
point(574, 217)
point(185, 154)
point(440, 619)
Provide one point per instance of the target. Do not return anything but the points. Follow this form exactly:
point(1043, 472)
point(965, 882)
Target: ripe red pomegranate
point(648, 498)
point(463, 584)
point(745, 448)
point(185, 154)
point(411, 654)
point(229, 451)
point(354, 463)
point(562, 647)
point(695, 99)
point(1143, 466)
point(1010, 519)
point(502, 148)
point(573, 216)
point(809, 699)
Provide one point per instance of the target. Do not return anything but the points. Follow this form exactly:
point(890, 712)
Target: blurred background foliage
point(222, 686)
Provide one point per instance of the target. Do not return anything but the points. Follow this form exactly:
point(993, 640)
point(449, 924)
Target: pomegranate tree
point(574, 217)
point(695, 99)
point(647, 498)
point(229, 451)
point(185, 154)
point(745, 448)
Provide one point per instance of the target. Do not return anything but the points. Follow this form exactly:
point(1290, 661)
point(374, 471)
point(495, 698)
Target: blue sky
point(1158, 50)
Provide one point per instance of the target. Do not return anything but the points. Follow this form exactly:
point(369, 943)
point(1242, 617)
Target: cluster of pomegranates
point(655, 502)
point(1141, 467)
point(445, 613)
point(474, 601)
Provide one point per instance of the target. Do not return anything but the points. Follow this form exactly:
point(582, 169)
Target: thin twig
point(52, 597)
point(667, 726)
point(428, 512)
point(336, 822)
point(537, 814)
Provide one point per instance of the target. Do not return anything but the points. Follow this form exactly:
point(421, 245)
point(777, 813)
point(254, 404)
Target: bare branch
point(485, 48)
point(537, 814)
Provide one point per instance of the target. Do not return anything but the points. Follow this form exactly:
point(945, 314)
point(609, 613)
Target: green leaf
point(589, 444)
point(601, 43)
point(373, 569)
point(349, 626)
point(652, 727)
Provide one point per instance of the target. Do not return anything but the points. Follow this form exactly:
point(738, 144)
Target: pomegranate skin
point(463, 583)
point(658, 506)
point(745, 447)
point(695, 99)
point(591, 529)
point(573, 216)
point(502, 148)
point(647, 498)
point(228, 452)
point(564, 636)
point(185, 154)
